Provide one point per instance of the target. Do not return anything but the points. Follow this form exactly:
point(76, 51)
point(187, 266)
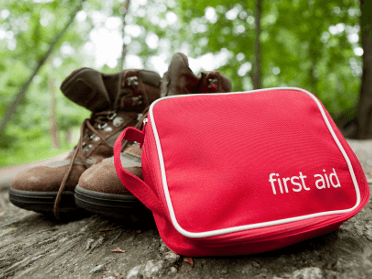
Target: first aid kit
point(243, 172)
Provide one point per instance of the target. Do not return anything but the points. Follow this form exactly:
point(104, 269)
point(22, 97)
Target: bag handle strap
point(134, 184)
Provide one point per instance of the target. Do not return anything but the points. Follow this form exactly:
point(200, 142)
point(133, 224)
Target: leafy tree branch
point(18, 98)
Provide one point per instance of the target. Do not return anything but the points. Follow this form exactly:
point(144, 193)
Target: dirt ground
point(35, 246)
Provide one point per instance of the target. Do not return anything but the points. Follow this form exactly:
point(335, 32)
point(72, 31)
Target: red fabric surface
point(223, 158)
point(218, 175)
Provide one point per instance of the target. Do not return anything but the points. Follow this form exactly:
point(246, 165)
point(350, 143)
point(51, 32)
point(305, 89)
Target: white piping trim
point(257, 225)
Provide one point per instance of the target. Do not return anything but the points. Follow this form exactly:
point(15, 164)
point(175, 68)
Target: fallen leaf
point(117, 274)
point(2, 213)
point(138, 231)
point(189, 260)
point(118, 250)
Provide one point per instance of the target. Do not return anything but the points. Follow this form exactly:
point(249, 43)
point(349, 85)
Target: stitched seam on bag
point(278, 236)
point(358, 170)
point(361, 179)
point(361, 176)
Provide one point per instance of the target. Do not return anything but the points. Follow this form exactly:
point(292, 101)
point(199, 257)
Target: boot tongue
point(86, 88)
point(112, 83)
point(179, 77)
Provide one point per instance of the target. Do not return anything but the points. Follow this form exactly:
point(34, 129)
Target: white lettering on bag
point(297, 183)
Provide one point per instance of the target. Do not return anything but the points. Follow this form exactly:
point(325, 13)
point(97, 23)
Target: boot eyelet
point(112, 116)
point(87, 148)
point(94, 137)
point(118, 121)
point(132, 81)
point(107, 129)
point(137, 100)
point(212, 82)
point(102, 126)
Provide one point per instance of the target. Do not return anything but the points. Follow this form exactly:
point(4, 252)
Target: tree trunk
point(124, 8)
point(69, 136)
point(12, 108)
point(257, 48)
point(53, 124)
point(364, 112)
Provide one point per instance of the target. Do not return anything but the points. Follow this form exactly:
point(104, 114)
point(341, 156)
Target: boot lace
point(98, 118)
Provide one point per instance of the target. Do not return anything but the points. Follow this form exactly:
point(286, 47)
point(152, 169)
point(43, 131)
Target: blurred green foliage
point(304, 43)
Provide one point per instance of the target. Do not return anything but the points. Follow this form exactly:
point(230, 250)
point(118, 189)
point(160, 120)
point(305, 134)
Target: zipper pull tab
point(144, 124)
point(144, 128)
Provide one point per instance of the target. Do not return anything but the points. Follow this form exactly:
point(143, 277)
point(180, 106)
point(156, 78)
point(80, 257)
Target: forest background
point(322, 46)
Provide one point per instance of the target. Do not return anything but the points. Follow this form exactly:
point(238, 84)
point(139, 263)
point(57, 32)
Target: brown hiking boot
point(99, 189)
point(179, 79)
point(116, 101)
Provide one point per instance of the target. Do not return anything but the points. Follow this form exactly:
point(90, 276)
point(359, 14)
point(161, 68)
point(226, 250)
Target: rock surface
point(33, 246)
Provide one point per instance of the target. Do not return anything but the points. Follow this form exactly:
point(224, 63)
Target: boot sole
point(111, 205)
point(42, 202)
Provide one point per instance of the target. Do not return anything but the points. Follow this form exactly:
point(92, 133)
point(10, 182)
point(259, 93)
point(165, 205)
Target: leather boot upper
point(116, 101)
point(179, 79)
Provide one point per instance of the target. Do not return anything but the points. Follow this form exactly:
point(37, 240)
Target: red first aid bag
point(244, 172)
